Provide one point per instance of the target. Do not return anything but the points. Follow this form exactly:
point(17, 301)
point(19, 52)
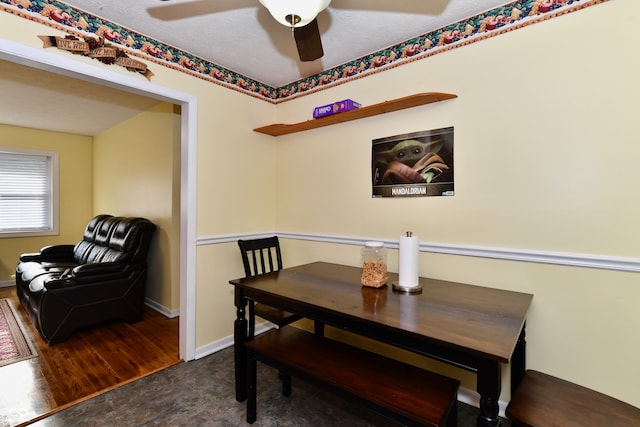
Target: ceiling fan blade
point(174, 11)
point(308, 41)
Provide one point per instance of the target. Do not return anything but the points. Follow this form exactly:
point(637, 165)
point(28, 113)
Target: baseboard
point(161, 308)
point(7, 283)
point(472, 398)
point(227, 341)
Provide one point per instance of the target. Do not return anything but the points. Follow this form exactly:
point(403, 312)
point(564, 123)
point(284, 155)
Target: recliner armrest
point(34, 256)
point(90, 274)
point(51, 253)
point(97, 268)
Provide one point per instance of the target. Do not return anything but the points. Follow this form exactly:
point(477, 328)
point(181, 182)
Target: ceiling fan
point(300, 16)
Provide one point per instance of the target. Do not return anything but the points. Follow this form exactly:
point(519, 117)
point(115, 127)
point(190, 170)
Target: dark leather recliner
point(101, 278)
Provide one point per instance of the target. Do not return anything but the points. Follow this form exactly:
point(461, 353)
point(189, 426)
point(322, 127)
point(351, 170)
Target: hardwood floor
point(92, 361)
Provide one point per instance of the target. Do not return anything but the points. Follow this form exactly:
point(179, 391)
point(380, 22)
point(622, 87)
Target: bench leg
point(318, 328)
point(452, 419)
point(251, 387)
point(286, 384)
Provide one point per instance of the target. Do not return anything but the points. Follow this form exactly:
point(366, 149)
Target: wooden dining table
point(476, 328)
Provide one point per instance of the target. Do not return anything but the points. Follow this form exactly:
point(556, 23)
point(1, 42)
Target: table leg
point(489, 385)
point(518, 361)
point(240, 352)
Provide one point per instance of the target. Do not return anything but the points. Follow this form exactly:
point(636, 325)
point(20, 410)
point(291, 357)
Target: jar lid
point(373, 244)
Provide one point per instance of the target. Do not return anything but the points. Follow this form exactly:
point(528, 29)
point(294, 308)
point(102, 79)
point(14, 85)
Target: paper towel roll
point(408, 261)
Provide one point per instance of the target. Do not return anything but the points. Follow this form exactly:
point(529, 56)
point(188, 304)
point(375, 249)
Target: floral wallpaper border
point(517, 14)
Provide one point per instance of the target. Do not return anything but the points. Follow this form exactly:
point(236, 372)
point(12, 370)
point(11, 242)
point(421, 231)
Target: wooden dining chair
point(261, 256)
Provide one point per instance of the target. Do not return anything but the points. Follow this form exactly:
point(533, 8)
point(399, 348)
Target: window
point(28, 192)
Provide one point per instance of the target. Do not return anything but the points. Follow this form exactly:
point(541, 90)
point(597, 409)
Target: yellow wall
point(544, 156)
point(75, 185)
point(545, 148)
point(236, 194)
point(134, 176)
point(545, 160)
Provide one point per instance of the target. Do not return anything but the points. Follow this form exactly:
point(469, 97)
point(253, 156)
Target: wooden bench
point(401, 392)
point(542, 400)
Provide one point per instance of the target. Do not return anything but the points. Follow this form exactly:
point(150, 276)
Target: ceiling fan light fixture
point(295, 13)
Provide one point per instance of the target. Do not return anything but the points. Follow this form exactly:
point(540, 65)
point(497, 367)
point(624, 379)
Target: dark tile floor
point(201, 393)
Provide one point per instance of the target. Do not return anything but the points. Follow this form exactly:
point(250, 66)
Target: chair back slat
point(258, 255)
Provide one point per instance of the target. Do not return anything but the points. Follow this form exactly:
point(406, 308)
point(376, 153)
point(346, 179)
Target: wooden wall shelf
point(360, 113)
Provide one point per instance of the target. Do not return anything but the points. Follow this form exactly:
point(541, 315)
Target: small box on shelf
point(336, 107)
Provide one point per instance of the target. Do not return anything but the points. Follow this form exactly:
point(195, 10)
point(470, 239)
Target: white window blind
point(27, 184)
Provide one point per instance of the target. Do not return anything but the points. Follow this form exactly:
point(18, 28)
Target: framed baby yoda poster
point(417, 164)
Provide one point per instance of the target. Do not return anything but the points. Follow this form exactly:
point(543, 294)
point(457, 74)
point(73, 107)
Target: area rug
point(14, 343)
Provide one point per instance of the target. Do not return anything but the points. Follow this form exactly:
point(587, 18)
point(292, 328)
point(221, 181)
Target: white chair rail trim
point(604, 262)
